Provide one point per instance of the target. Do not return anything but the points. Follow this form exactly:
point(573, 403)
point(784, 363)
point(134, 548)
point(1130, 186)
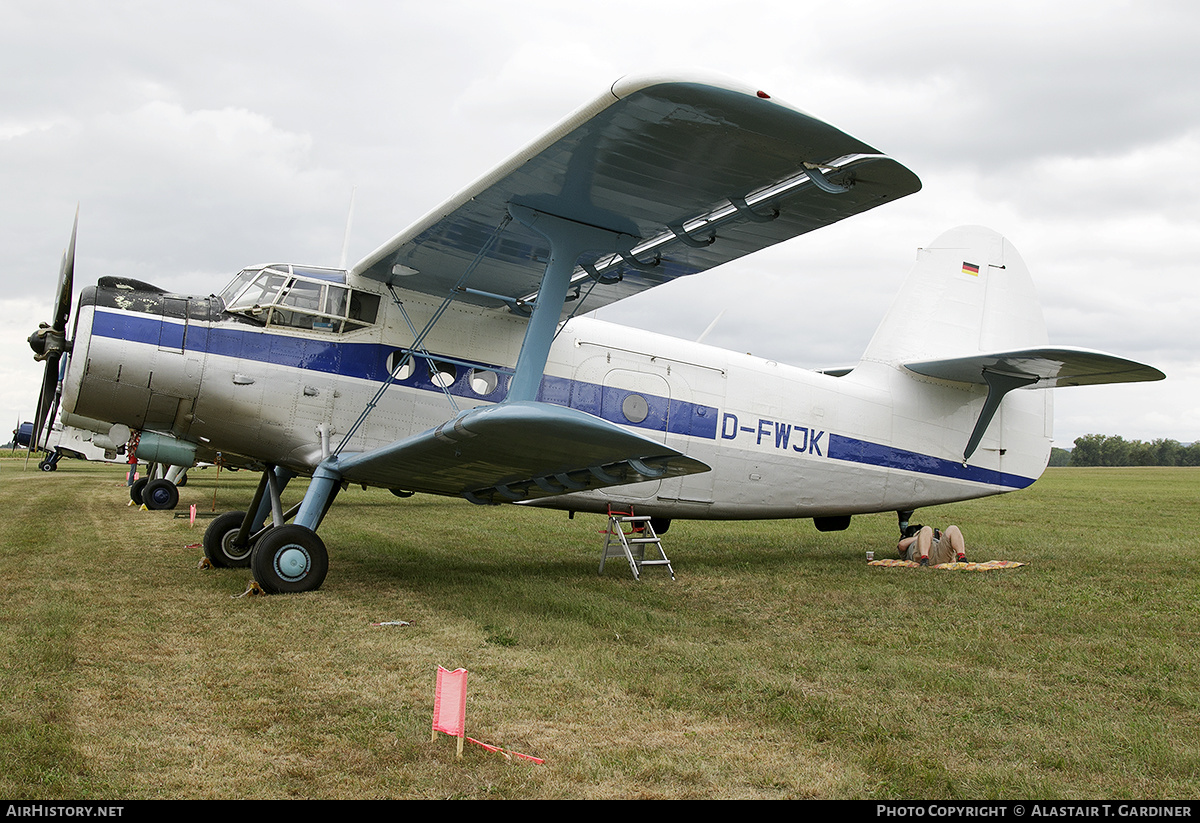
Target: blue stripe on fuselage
point(874, 454)
point(368, 361)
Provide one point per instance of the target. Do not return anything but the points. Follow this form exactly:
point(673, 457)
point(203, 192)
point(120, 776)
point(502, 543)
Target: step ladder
point(628, 536)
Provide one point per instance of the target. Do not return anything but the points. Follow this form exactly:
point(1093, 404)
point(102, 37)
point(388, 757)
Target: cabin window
point(442, 374)
point(243, 279)
point(316, 299)
point(635, 408)
point(484, 381)
point(406, 371)
point(264, 291)
point(364, 308)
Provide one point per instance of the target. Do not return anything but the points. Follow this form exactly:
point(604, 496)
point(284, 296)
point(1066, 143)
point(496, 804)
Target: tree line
point(1114, 450)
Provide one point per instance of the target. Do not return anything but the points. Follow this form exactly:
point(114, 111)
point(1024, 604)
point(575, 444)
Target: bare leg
point(924, 541)
point(955, 536)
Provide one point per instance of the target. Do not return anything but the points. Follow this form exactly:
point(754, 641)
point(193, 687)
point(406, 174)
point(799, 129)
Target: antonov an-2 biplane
point(455, 359)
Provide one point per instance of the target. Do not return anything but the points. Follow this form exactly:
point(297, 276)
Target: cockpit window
point(308, 298)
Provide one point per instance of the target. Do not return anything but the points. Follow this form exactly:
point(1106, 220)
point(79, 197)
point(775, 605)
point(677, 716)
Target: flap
point(696, 173)
point(517, 451)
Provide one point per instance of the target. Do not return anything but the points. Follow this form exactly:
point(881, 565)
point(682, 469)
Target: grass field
point(777, 665)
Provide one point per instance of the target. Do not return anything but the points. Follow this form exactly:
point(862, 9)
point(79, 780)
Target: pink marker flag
point(450, 702)
point(193, 518)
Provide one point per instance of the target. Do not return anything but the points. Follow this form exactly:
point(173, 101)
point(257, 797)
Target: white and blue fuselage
point(782, 442)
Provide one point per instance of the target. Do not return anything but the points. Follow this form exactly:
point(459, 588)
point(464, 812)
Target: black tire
point(220, 542)
point(160, 495)
point(289, 559)
point(135, 491)
point(46, 466)
point(181, 480)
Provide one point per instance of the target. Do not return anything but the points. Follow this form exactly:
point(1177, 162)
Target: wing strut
point(568, 240)
point(999, 384)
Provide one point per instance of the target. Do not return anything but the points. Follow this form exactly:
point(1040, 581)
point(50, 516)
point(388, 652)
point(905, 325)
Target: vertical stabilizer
point(969, 292)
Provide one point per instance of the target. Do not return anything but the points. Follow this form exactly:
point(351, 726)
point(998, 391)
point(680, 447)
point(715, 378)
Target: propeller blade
point(66, 282)
point(47, 405)
point(50, 342)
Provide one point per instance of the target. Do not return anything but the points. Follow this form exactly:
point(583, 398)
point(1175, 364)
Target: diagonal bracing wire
point(419, 339)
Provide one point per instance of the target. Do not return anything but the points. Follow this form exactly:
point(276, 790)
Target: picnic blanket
point(962, 567)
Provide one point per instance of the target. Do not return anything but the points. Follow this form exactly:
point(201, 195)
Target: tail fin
point(968, 313)
point(968, 293)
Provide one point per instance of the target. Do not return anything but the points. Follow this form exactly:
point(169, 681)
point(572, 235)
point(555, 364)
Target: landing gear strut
point(284, 558)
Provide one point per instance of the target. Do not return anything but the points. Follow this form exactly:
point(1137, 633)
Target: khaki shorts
point(940, 552)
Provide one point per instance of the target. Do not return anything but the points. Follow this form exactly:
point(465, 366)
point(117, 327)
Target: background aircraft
point(454, 359)
point(21, 435)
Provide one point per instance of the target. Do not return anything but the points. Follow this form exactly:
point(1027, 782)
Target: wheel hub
point(231, 548)
point(292, 562)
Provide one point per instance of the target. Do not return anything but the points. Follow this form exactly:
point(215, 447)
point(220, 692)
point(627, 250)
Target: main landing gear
point(290, 559)
point(159, 489)
point(284, 557)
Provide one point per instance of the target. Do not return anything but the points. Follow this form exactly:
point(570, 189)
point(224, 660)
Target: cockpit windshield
point(300, 298)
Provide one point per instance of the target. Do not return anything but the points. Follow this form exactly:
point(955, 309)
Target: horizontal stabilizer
point(1043, 367)
point(517, 451)
point(1035, 368)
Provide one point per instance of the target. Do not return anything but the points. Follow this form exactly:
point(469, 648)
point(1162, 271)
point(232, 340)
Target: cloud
point(200, 139)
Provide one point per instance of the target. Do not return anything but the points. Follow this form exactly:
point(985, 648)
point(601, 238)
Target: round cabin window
point(635, 408)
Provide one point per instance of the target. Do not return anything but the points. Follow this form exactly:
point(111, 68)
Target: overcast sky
point(200, 139)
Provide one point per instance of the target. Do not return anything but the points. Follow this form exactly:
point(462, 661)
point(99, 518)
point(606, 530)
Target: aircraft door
point(172, 335)
point(176, 371)
point(641, 400)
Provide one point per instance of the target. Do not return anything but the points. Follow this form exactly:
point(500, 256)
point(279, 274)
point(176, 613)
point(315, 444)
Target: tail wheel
point(160, 495)
point(289, 559)
point(220, 542)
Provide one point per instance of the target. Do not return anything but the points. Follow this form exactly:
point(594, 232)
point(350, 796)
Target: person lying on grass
point(932, 547)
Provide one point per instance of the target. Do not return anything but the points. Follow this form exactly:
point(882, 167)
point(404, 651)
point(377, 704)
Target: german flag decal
point(971, 269)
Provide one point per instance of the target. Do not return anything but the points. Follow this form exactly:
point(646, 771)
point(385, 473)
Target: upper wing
point(700, 173)
point(1041, 368)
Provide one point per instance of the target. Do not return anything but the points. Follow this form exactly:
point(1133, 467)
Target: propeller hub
point(46, 342)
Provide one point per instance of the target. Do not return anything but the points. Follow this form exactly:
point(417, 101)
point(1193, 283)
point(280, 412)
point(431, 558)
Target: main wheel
point(220, 542)
point(160, 495)
point(47, 466)
point(289, 559)
point(135, 491)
